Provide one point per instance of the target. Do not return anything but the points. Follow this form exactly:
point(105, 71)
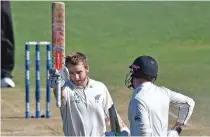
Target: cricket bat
point(58, 42)
point(115, 127)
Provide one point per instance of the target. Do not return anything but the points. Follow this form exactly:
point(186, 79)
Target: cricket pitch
point(13, 122)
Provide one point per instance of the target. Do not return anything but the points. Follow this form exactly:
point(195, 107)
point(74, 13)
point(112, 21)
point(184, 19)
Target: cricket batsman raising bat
point(58, 42)
point(84, 103)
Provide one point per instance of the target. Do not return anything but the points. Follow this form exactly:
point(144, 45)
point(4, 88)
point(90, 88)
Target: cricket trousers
point(7, 40)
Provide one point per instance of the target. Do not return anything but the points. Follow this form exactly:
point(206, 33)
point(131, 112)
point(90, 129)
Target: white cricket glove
point(174, 132)
point(58, 77)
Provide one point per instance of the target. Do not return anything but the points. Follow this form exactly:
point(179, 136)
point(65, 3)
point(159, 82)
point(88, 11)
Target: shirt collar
point(145, 84)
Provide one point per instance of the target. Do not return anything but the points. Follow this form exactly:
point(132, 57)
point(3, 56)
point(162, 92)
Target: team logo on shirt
point(97, 97)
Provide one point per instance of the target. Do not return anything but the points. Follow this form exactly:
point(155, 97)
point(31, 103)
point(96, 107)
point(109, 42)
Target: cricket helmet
point(142, 67)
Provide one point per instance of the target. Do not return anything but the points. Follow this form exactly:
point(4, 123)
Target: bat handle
point(58, 95)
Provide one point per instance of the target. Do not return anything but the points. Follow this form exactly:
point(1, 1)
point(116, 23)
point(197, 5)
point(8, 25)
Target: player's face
point(134, 82)
point(78, 74)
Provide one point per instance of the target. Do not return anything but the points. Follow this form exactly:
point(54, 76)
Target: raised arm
point(60, 77)
point(64, 92)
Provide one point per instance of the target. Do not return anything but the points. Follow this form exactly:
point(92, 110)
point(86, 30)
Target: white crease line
point(175, 116)
point(11, 106)
point(15, 109)
point(29, 129)
point(196, 128)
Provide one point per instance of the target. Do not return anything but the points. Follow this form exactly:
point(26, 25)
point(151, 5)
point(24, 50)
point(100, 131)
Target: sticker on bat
point(58, 53)
point(58, 60)
point(58, 38)
point(58, 27)
point(58, 48)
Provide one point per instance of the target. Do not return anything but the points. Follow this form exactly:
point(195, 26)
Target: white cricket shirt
point(149, 107)
point(83, 111)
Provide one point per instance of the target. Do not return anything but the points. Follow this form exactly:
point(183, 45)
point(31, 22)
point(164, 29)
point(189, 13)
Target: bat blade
point(115, 127)
point(58, 42)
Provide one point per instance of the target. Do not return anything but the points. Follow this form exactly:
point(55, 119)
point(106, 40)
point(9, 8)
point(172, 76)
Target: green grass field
point(113, 34)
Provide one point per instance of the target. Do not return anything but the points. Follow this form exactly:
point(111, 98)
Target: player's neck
point(85, 83)
point(140, 82)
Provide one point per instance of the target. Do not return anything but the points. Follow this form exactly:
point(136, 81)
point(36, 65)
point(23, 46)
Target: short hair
point(74, 58)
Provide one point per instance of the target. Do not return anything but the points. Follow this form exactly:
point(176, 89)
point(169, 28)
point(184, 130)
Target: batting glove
point(178, 129)
point(123, 133)
point(174, 132)
point(58, 77)
point(110, 133)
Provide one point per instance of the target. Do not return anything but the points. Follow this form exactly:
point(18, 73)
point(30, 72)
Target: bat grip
point(58, 95)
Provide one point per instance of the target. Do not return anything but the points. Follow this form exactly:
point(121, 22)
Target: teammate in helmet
point(149, 105)
point(143, 68)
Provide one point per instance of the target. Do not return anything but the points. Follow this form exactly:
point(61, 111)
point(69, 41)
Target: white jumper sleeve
point(185, 104)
